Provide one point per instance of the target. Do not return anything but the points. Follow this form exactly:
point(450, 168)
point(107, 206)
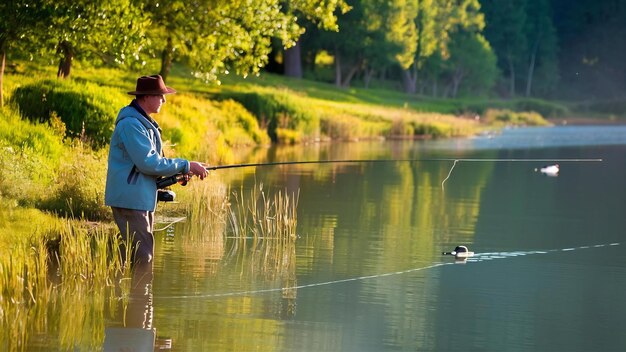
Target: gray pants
point(139, 224)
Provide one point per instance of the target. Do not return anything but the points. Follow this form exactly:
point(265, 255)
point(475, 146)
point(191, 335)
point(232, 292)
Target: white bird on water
point(550, 170)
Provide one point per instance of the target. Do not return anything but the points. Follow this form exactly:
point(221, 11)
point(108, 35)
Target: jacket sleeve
point(141, 148)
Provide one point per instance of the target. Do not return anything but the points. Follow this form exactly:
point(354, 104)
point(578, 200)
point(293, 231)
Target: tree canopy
point(541, 47)
point(219, 36)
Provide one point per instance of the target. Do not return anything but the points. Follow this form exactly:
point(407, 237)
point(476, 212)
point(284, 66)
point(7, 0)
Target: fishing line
point(449, 173)
point(169, 223)
point(351, 161)
point(479, 257)
point(180, 178)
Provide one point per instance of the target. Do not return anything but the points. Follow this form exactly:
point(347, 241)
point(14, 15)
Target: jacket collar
point(134, 104)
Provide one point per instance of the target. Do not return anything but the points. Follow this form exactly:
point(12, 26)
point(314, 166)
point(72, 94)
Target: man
point(135, 163)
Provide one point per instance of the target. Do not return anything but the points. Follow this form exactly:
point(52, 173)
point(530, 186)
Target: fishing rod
point(219, 167)
point(182, 178)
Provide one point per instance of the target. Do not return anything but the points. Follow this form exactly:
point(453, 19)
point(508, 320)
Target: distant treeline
point(559, 49)
point(442, 48)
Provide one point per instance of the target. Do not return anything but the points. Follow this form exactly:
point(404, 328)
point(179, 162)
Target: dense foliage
point(439, 48)
point(85, 108)
point(543, 48)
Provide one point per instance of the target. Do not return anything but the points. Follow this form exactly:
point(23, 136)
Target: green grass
point(392, 98)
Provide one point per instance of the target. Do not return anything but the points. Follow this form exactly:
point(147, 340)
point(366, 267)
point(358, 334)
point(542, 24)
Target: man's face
point(152, 103)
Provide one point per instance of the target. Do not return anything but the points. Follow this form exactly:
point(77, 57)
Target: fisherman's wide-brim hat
point(151, 85)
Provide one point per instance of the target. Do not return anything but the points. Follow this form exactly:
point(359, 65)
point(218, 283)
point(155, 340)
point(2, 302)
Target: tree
point(19, 21)
point(472, 66)
point(322, 14)
point(220, 36)
point(387, 38)
point(402, 33)
point(505, 31)
point(436, 21)
point(369, 39)
point(346, 45)
point(110, 31)
point(591, 48)
point(541, 38)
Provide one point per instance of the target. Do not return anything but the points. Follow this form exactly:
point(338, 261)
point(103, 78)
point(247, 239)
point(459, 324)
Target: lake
point(367, 272)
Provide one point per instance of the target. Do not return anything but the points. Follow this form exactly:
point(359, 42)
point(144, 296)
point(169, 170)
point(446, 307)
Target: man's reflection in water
point(139, 312)
point(136, 332)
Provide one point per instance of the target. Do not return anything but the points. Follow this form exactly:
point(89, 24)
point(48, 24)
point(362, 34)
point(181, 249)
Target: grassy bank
point(55, 132)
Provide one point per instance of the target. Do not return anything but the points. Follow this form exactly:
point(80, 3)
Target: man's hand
point(198, 169)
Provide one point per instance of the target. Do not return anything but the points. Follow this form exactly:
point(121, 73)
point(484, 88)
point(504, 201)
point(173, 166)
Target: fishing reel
point(172, 180)
point(166, 195)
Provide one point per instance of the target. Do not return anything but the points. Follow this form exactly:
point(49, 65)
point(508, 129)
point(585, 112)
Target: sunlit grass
point(256, 223)
point(294, 116)
point(262, 227)
point(206, 208)
point(512, 118)
point(258, 215)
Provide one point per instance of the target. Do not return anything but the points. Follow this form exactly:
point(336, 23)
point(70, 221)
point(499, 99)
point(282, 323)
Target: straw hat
point(151, 85)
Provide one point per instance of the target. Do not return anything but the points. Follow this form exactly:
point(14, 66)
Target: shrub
point(29, 157)
point(433, 129)
point(342, 126)
point(401, 128)
point(279, 110)
point(542, 107)
point(509, 117)
point(241, 127)
point(87, 109)
point(78, 190)
point(287, 136)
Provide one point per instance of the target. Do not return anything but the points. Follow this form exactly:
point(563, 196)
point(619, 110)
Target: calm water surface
point(367, 274)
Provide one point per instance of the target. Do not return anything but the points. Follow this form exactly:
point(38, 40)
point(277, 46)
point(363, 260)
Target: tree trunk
point(446, 90)
point(337, 69)
point(167, 56)
point(457, 78)
point(531, 67)
point(350, 75)
point(4, 55)
point(293, 61)
point(409, 80)
point(367, 77)
point(65, 65)
point(511, 77)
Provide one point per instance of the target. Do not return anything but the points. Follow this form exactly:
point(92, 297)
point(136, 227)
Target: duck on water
point(460, 252)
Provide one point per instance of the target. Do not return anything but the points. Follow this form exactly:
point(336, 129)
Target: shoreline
point(583, 121)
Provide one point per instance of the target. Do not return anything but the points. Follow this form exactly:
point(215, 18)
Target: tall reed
point(24, 287)
point(59, 281)
point(268, 220)
point(203, 234)
point(270, 223)
point(206, 209)
point(263, 217)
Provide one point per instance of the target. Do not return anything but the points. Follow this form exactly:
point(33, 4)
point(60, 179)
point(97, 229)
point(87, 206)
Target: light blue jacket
point(136, 161)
